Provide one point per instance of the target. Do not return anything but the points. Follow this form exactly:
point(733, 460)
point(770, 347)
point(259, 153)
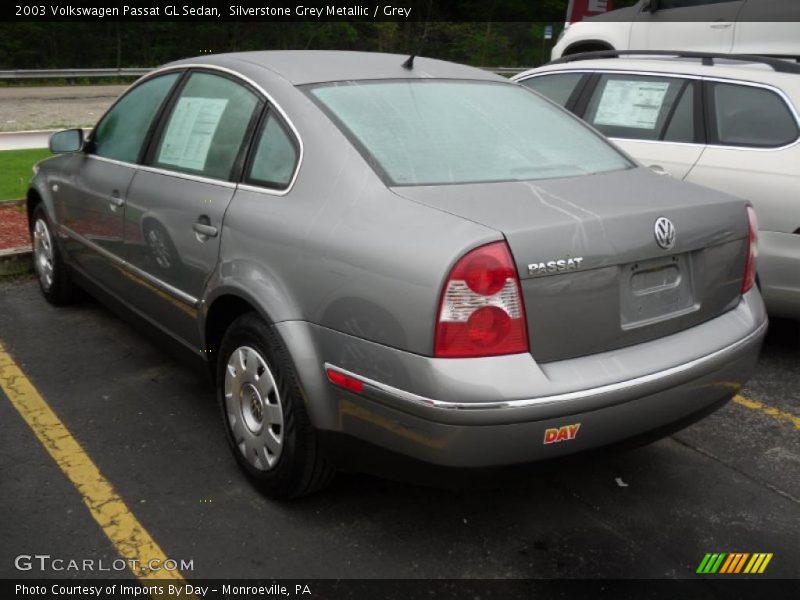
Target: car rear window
point(426, 132)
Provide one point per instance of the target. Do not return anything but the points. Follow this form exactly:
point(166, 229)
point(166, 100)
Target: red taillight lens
point(481, 311)
point(752, 251)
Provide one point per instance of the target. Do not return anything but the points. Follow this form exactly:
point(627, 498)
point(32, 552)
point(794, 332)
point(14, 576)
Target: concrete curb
point(20, 202)
point(25, 140)
point(16, 261)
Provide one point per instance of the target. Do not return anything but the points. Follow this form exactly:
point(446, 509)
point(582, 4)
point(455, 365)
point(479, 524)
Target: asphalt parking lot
point(730, 483)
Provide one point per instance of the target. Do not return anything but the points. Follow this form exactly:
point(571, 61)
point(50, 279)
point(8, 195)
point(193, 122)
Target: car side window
point(751, 116)
point(557, 87)
point(122, 131)
point(275, 156)
point(680, 127)
point(206, 127)
point(642, 107)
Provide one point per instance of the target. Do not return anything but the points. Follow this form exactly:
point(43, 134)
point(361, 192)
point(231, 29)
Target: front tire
point(54, 281)
point(266, 423)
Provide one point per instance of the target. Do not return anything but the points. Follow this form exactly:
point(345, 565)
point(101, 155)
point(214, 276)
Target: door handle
point(205, 230)
point(116, 201)
point(659, 170)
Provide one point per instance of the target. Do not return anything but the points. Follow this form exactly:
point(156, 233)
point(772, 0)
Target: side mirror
point(650, 6)
point(69, 140)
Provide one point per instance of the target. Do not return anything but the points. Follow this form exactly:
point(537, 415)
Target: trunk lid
point(616, 286)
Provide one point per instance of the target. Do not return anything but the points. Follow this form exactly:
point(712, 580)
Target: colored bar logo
point(734, 563)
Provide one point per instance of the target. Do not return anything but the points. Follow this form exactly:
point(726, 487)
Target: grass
point(15, 171)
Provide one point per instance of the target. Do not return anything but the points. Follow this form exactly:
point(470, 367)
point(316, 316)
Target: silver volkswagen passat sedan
point(408, 253)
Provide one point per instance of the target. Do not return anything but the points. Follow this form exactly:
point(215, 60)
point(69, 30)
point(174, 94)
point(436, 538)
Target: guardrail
point(70, 73)
point(73, 73)
point(506, 70)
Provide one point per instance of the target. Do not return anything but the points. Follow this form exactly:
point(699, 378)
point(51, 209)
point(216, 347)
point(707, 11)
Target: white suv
point(729, 124)
point(766, 27)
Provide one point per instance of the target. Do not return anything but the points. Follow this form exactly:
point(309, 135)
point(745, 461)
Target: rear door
point(770, 27)
point(753, 153)
point(751, 134)
point(177, 200)
point(657, 119)
point(701, 25)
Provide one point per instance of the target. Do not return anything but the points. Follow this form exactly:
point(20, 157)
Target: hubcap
point(253, 407)
point(43, 253)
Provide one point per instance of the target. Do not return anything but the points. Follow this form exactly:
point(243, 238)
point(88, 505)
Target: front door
point(92, 198)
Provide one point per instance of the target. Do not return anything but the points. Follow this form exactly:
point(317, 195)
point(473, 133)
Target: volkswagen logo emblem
point(665, 233)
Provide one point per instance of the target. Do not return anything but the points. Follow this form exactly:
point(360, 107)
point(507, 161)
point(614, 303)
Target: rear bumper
point(492, 412)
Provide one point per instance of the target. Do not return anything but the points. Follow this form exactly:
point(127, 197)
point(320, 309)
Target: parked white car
point(726, 124)
point(766, 27)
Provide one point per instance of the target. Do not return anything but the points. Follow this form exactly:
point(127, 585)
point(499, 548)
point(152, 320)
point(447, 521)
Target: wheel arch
point(32, 199)
point(581, 46)
point(221, 310)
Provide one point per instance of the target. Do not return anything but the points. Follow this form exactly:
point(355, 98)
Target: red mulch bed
point(13, 227)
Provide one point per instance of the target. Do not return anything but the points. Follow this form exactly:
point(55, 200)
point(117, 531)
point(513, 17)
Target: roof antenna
point(409, 64)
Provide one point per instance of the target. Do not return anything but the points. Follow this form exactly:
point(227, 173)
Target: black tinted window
point(206, 126)
point(123, 129)
point(680, 126)
point(556, 87)
point(751, 116)
point(275, 155)
point(642, 107)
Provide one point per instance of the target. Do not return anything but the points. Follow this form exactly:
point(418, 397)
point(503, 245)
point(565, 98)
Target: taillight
point(752, 251)
point(481, 311)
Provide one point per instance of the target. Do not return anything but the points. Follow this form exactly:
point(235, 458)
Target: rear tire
point(263, 410)
point(54, 281)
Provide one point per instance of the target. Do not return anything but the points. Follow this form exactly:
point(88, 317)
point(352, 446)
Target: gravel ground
point(31, 108)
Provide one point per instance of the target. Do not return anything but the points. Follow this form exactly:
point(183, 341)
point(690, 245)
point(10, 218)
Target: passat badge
point(555, 266)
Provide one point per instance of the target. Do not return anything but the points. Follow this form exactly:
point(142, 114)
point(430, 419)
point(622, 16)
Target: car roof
point(722, 68)
point(317, 66)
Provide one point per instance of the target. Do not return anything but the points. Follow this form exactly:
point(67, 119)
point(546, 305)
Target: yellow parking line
point(128, 536)
point(768, 410)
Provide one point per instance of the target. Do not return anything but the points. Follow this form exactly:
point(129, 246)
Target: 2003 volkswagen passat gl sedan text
point(410, 253)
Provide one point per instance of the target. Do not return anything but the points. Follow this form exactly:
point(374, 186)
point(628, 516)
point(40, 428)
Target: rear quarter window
point(558, 87)
point(751, 116)
point(275, 157)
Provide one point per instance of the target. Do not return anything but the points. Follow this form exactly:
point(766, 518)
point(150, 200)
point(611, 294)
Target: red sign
point(580, 9)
